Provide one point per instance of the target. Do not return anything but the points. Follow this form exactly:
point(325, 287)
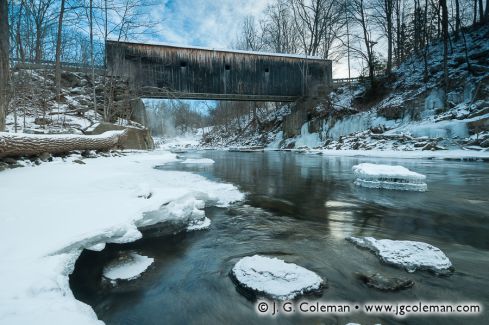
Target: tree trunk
point(481, 11)
point(475, 13)
point(389, 8)
point(425, 52)
point(14, 145)
point(443, 4)
point(4, 62)
point(58, 51)
point(18, 37)
point(487, 12)
point(457, 17)
point(92, 62)
point(38, 50)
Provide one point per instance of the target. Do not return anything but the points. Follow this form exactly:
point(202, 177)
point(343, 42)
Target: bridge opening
point(196, 120)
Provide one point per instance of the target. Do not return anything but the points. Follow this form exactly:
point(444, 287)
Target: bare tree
point(359, 15)
point(43, 17)
point(251, 36)
point(318, 23)
point(58, 51)
point(383, 15)
point(443, 4)
point(280, 34)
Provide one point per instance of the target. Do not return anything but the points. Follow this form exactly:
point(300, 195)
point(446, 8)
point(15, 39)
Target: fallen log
point(15, 144)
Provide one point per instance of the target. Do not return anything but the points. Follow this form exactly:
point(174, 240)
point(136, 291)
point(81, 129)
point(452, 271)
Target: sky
point(208, 23)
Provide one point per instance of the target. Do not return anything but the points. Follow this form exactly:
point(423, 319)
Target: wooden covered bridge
point(168, 71)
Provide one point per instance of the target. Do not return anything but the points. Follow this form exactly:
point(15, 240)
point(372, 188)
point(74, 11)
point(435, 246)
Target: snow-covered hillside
point(406, 113)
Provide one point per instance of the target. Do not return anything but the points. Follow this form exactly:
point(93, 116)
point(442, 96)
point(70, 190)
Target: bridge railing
point(345, 81)
point(48, 64)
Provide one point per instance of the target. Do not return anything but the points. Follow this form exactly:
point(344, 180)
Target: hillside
point(405, 112)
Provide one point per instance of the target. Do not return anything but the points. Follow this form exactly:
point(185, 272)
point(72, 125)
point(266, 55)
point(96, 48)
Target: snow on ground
point(275, 278)
point(127, 267)
point(410, 255)
point(198, 161)
point(388, 177)
point(51, 212)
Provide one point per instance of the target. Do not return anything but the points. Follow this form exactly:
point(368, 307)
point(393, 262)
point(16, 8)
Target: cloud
point(207, 23)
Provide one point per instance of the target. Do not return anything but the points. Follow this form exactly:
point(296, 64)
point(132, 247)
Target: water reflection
point(300, 208)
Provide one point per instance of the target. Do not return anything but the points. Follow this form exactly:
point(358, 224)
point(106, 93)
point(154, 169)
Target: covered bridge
point(168, 71)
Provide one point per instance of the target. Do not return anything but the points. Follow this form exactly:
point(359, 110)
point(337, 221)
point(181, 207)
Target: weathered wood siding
point(206, 73)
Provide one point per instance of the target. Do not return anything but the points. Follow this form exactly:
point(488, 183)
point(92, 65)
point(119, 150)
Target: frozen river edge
point(50, 213)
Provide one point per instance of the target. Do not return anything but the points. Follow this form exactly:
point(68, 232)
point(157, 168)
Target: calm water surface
point(300, 208)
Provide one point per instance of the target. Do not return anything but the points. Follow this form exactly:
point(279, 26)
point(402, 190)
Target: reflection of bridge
point(167, 71)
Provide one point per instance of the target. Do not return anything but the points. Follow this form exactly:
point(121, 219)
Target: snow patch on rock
point(199, 224)
point(275, 278)
point(388, 177)
point(410, 255)
point(127, 267)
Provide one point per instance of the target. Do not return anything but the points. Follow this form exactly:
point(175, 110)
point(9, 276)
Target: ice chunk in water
point(389, 177)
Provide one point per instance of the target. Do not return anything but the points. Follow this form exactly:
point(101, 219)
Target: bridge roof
point(162, 44)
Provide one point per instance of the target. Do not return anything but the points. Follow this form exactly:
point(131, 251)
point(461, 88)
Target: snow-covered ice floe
point(410, 255)
point(198, 161)
point(275, 278)
point(50, 213)
point(127, 267)
point(389, 177)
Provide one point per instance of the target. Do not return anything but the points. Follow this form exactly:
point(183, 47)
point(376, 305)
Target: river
point(300, 208)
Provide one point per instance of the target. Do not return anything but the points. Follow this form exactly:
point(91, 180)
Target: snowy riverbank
point(51, 212)
point(452, 154)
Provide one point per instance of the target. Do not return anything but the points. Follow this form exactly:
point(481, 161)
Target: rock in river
point(410, 255)
point(384, 283)
point(274, 278)
point(127, 267)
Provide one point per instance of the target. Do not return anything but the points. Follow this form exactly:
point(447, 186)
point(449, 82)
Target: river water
point(300, 208)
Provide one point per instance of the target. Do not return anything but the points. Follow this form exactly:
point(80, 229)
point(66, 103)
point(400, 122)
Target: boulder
point(70, 79)
point(485, 143)
point(384, 283)
point(136, 138)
